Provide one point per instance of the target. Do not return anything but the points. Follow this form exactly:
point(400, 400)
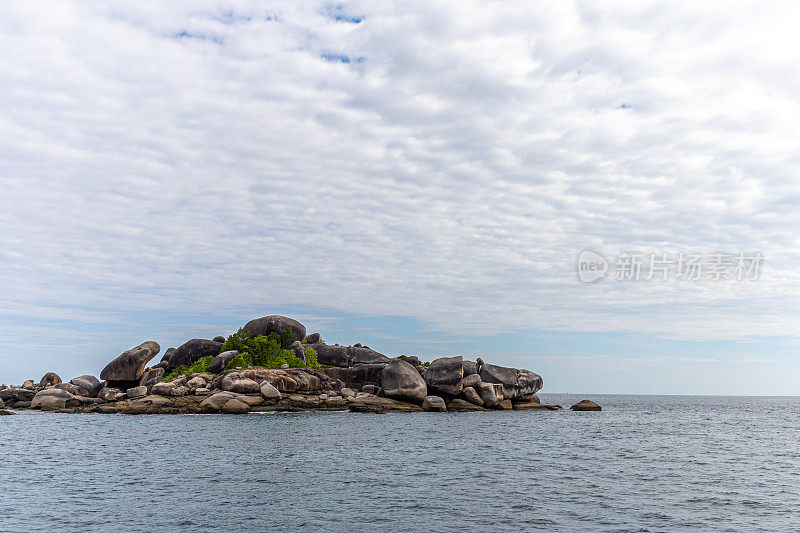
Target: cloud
point(424, 160)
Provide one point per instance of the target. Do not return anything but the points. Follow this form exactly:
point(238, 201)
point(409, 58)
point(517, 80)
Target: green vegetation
point(268, 351)
point(195, 368)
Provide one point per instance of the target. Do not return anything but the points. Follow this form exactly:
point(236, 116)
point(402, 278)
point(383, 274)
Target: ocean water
point(645, 463)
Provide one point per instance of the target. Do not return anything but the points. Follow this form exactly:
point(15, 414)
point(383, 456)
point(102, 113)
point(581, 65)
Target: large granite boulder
point(167, 355)
point(332, 355)
point(470, 368)
point(401, 380)
point(314, 338)
point(269, 392)
point(88, 383)
point(491, 393)
point(129, 366)
point(365, 356)
point(221, 361)
point(49, 379)
point(235, 382)
point(276, 324)
point(51, 399)
point(190, 351)
point(73, 389)
point(445, 375)
point(517, 383)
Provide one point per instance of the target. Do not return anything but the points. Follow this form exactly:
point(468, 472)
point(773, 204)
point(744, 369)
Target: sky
point(420, 177)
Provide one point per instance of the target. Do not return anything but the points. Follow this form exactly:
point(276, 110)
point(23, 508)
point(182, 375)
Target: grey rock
point(2, 403)
point(192, 350)
point(235, 406)
point(50, 399)
point(219, 338)
point(196, 383)
point(269, 392)
point(137, 392)
point(472, 380)
point(586, 405)
point(297, 348)
point(445, 375)
point(517, 383)
point(366, 356)
point(73, 389)
point(491, 393)
point(457, 404)
point(49, 379)
point(434, 403)
point(152, 376)
point(412, 360)
point(180, 390)
point(167, 355)
point(129, 366)
point(400, 380)
point(472, 396)
point(314, 338)
point(28, 384)
point(234, 383)
point(89, 383)
point(347, 392)
point(276, 324)
point(221, 361)
point(372, 389)
point(470, 368)
point(332, 355)
point(215, 402)
point(163, 388)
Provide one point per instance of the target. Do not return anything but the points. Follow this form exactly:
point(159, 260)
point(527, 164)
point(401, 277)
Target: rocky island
point(271, 364)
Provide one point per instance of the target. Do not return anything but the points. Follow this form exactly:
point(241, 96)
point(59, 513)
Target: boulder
point(470, 368)
point(110, 394)
point(400, 380)
point(16, 394)
point(347, 392)
point(517, 383)
point(505, 405)
point(472, 396)
point(375, 404)
point(216, 401)
point(270, 393)
point(190, 351)
point(129, 366)
point(586, 405)
point(51, 399)
point(412, 360)
point(235, 406)
point(276, 324)
point(73, 389)
point(491, 393)
point(366, 356)
point(167, 355)
point(221, 361)
point(473, 380)
point(89, 383)
point(372, 389)
point(314, 338)
point(152, 376)
point(332, 355)
point(528, 405)
point(180, 390)
point(196, 383)
point(49, 379)
point(434, 403)
point(219, 338)
point(361, 375)
point(137, 392)
point(28, 384)
point(233, 382)
point(445, 375)
point(164, 388)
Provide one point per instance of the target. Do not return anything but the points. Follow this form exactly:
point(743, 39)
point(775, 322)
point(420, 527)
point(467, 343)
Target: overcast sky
point(416, 176)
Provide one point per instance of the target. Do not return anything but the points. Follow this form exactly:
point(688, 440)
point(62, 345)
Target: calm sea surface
point(645, 463)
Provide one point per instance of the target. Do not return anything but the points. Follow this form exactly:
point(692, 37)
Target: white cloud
point(206, 156)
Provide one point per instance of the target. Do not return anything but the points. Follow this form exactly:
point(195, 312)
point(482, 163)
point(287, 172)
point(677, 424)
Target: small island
point(271, 364)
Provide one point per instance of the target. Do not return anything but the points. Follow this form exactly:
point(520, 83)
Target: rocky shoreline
point(316, 377)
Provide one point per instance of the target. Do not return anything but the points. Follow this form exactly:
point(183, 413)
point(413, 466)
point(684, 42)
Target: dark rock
point(373, 389)
point(412, 360)
point(235, 406)
point(89, 383)
point(50, 399)
point(361, 375)
point(527, 405)
point(362, 355)
point(162, 364)
point(586, 405)
point(472, 380)
point(470, 368)
point(457, 404)
point(219, 338)
point(152, 376)
point(4, 412)
point(129, 366)
point(472, 396)
point(505, 405)
point(22, 405)
point(491, 393)
point(434, 403)
point(444, 375)
point(314, 338)
point(221, 361)
point(137, 392)
point(276, 324)
point(17, 394)
point(167, 355)
point(517, 383)
point(402, 381)
point(49, 379)
point(332, 355)
point(234, 382)
point(190, 351)
point(122, 385)
point(2, 403)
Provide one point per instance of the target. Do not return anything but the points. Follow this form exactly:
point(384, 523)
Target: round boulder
point(276, 324)
point(235, 406)
point(586, 405)
point(190, 351)
point(50, 399)
point(445, 375)
point(434, 403)
point(401, 380)
point(221, 361)
point(129, 366)
point(49, 379)
point(88, 383)
point(219, 338)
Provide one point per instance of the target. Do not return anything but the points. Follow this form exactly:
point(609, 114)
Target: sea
point(644, 463)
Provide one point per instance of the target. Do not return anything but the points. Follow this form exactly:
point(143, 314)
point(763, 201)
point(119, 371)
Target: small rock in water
point(586, 405)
